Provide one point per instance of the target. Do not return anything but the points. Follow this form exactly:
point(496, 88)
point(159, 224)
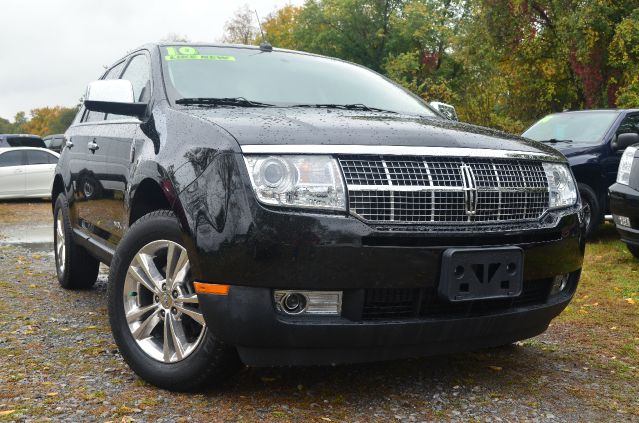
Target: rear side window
point(11, 158)
point(25, 142)
point(40, 157)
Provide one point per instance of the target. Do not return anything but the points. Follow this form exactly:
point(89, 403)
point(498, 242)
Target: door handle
point(69, 144)
point(93, 146)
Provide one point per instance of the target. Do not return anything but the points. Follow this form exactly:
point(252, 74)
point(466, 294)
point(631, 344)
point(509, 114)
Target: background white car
point(26, 172)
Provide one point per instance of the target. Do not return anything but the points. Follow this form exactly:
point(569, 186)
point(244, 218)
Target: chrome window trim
point(392, 150)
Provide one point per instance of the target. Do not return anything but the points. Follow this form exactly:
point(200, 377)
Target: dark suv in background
point(21, 140)
point(283, 208)
point(590, 141)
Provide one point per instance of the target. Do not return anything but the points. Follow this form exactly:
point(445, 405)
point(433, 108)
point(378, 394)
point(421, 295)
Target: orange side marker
point(211, 288)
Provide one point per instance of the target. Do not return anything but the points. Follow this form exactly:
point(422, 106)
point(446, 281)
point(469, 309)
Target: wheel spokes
point(166, 350)
point(150, 270)
point(141, 277)
point(181, 268)
point(187, 299)
point(146, 327)
point(178, 338)
point(193, 314)
point(135, 314)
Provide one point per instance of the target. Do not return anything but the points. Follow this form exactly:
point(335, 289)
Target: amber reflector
point(211, 288)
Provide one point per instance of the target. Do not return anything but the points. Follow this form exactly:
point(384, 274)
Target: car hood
point(570, 149)
point(330, 126)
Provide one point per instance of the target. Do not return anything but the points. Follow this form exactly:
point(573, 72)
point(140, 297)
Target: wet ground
point(58, 360)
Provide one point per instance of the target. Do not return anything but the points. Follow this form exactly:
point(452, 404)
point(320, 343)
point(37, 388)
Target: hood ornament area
point(470, 189)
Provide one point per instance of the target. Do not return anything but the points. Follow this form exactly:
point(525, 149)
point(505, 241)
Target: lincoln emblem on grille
point(470, 189)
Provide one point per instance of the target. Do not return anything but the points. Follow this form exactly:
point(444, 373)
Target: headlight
point(297, 181)
point(561, 185)
point(625, 166)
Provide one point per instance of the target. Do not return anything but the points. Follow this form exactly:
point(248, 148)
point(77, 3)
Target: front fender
point(216, 208)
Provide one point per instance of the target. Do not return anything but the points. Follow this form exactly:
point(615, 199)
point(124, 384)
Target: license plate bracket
point(481, 273)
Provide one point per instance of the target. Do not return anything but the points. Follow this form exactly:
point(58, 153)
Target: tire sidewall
point(61, 206)
point(588, 196)
point(172, 375)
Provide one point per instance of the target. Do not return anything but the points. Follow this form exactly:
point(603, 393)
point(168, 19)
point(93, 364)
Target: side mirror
point(445, 109)
point(114, 96)
point(625, 140)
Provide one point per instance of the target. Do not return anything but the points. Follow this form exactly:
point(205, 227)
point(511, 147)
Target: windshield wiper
point(555, 140)
point(228, 101)
point(344, 107)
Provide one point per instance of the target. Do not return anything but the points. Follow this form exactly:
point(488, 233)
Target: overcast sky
point(52, 48)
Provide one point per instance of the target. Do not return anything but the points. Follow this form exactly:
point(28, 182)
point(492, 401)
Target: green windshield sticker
point(191, 53)
point(200, 57)
point(545, 119)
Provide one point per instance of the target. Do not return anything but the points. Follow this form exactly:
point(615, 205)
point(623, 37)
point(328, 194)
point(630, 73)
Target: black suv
point(274, 207)
point(624, 196)
point(590, 141)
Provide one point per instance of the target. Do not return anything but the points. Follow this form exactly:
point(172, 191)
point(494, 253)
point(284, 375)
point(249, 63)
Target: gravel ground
point(58, 362)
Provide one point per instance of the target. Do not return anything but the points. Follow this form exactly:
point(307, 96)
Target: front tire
point(154, 312)
point(634, 250)
point(76, 268)
point(591, 208)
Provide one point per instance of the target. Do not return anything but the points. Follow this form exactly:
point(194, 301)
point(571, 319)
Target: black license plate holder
point(481, 273)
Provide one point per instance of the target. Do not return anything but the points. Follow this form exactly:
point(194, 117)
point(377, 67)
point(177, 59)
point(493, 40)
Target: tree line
point(42, 121)
point(502, 63)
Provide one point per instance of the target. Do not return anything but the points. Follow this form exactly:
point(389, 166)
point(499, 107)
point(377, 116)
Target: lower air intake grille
point(398, 303)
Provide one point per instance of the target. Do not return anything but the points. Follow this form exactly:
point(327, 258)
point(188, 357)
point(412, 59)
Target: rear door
point(87, 162)
point(12, 176)
point(39, 172)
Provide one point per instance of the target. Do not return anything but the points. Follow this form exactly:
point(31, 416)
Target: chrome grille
point(405, 190)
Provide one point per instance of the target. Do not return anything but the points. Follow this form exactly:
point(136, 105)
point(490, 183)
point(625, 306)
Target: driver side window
point(630, 124)
point(139, 73)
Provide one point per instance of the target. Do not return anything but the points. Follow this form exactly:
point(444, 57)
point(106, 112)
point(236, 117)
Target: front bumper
point(624, 201)
point(246, 319)
point(234, 240)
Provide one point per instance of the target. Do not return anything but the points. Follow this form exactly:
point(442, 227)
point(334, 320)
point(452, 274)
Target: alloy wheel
point(587, 211)
point(160, 304)
point(60, 245)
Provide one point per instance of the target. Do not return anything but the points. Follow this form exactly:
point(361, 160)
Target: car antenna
point(264, 45)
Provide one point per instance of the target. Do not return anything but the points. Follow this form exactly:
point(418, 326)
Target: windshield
point(586, 128)
point(280, 79)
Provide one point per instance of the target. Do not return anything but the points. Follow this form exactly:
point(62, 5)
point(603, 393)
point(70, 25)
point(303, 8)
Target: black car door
point(87, 163)
point(118, 139)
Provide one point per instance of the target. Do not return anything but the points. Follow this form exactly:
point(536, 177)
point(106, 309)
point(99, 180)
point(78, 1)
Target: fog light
point(622, 221)
point(293, 303)
point(308, 302)
point(560, 283)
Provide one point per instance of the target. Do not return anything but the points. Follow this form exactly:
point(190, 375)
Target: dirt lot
point(59, 362)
